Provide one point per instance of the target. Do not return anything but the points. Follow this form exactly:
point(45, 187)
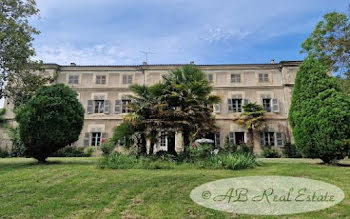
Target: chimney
point(73, 64)
point(272, 61)
point(144, 63)
point(192, 63)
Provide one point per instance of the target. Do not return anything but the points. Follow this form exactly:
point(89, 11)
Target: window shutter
point(262, 139)
point(118, 107)
point(232, 137)
point(90, 107)
point(229, 105)
point(217, 108)
point(104, 136)
point(87, 139)
point(106, 107)
point(279, 138)
point(276, 107)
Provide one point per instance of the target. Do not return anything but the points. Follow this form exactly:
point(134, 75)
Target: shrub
point(4, 153)
point(291, 151)
point(238, 161)
point(119, 161)
point(50, 120)
point(270, 153)
point(107, 147)
point(199, 151)
point(71, 151)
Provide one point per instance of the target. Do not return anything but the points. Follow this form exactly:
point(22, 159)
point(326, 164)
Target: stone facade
point(103, 92)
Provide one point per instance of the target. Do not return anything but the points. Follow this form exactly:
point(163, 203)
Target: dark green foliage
point(4, 153)
point(319, 114)
point(52, 119)
point(291, 151)
point(2, 119)
point(71, 151)
point(269, 152)
point(198, 152)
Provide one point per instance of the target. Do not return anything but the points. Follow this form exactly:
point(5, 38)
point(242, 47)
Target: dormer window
point(73, 79)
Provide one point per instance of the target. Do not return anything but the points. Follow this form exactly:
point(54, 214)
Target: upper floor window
point(100, 79)
point(99, 106)
point(235, 105)
point(127, 79)
point(210, 78)
point(73, 79)
point(125, 105)
point(264, 77)
point(235, 78)
point(267, 104)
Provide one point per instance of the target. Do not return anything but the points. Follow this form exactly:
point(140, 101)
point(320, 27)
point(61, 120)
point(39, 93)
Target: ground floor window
point(163, 141)
point(271, 139)
point(96, 138)
point(217, 139)
point(237, 138)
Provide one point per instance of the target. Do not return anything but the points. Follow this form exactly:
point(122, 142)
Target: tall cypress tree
point(319, 114)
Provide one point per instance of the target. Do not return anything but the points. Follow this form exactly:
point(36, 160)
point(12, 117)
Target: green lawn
point(77, 188)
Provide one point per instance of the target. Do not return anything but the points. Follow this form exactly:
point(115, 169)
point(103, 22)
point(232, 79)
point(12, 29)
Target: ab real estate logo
point(267, 195)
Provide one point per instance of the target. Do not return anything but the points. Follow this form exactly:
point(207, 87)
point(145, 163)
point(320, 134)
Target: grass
point(77, 188)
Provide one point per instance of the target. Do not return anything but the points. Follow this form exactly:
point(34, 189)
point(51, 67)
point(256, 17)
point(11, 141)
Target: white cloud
point(2, 103)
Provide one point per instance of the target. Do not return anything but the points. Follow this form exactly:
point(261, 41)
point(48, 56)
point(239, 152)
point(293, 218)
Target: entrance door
point(171, 142)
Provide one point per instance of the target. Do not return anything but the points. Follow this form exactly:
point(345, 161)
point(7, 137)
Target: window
point(96, 138)
point(267, 138)
point(235, 78)
point(237, 105)
point(73, 79)
point(210, 78)
point(99, 106)
point(127, 79)
point(163, 139)
point(236, 138)
point(279, 139)
point(263, 77)
point(267, 104)
point(100, 79)
point(125, 108)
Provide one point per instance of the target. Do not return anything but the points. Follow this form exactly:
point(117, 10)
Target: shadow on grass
point(18, 163)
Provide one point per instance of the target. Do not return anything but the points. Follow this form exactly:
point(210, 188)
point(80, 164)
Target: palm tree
point(189, 102)
point(252, 118)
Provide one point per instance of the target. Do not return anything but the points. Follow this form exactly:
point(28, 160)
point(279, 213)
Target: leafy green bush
point(291, 151)
point(71, 151)
point(119, 161)
point(50, 120)
point(198, 152)
point(270, 153)
point(4, 153)
point(107, 147)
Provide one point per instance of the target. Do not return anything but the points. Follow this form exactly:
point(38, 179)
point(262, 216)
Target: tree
point(50, 120)
point(319, 114)
point(189, 102)
point(330, 42)
point(17, 79)
point(252, 118)
point(2, 119)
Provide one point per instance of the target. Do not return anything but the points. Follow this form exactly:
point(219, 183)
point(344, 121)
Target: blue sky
point(175, 31)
